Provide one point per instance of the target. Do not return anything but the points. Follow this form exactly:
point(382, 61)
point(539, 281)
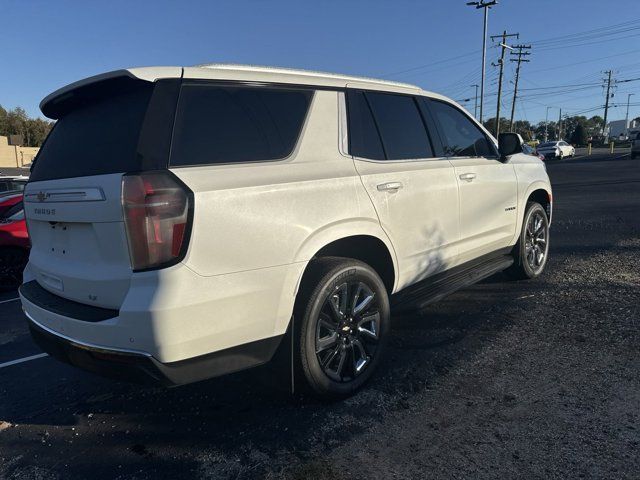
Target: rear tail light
point(157, 215)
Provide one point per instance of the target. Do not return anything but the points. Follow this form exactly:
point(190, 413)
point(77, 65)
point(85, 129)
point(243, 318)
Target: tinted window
point(12, 210)
point(98, 136)
point(225, 124)
point(364, 140)
point(460, 136)
point(401, 127)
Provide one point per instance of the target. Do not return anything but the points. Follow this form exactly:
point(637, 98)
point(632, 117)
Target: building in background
point(13, 154)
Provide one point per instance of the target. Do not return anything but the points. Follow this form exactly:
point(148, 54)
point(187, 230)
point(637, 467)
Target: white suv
point(185, 221)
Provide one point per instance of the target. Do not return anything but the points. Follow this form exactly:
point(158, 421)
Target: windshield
point(548, 144)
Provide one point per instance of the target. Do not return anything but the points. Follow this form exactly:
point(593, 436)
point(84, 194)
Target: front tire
point(342, 320)
point(532, 250)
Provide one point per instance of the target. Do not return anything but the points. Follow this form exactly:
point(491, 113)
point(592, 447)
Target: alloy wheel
point(536, 241)
point(347, 331)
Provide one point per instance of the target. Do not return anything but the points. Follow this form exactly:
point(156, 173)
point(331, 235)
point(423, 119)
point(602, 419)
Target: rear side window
point(403, 133)
point(460, 136)
point(98, 135)
point(230, 124)
point(364, 140)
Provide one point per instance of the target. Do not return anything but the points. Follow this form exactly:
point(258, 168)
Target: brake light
point(156, 208)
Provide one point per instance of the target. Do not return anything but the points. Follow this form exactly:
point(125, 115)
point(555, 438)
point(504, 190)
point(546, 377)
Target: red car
point(14, 240)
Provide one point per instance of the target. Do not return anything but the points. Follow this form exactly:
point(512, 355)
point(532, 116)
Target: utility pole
point(486, 5)
point(475, 108)
point(546, 124)
point(626, 122)
point(504, 46)
point(606, 104)
point(560, 125)
point(520, 54)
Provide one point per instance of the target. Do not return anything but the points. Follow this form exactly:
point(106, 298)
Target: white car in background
point(558, 149)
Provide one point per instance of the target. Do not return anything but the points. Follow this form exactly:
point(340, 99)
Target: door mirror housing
point(509, 144)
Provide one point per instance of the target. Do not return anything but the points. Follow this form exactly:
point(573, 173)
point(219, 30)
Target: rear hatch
point(73, 201)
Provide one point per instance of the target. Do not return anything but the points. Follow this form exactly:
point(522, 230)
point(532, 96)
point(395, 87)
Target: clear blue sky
point(47, 44)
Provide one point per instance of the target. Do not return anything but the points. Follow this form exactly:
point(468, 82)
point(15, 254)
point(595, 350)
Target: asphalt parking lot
point(537, 379)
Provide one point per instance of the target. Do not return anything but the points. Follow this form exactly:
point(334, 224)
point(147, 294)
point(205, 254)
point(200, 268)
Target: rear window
point(12, 185)
point(363, 134)
point(230, 124)
point(97, 136)
point(6, 212)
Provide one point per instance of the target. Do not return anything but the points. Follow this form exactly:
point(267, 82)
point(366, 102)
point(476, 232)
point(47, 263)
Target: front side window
point(460, 136)
point(230, 124)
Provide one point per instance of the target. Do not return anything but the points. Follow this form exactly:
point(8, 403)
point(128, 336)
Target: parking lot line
point(25, 359)
point(10, 300)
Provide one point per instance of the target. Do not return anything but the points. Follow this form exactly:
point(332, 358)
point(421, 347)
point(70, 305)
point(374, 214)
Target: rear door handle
point(389, 187)
point(468, 177)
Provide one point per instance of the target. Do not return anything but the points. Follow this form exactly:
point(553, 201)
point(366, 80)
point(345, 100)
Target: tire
point(561, 156)
point(531, 252)
point(337, 348)
point(12, 263)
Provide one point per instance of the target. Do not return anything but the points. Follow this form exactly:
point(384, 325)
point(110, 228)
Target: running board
point(433, 289)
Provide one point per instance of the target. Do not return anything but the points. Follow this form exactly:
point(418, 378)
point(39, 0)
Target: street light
point(475, 107)
point(486, 5)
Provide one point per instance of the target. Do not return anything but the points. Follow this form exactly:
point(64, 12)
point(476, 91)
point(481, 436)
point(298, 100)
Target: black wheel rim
point(347, 331)
point(536, 241)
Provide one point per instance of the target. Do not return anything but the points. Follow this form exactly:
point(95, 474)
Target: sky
point(435, 44)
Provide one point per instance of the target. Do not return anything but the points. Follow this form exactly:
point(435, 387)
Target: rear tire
point(532, 250)
point(342, 322)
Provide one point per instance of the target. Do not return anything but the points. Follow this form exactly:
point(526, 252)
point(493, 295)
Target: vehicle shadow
point(248, 424)
point(243, 423)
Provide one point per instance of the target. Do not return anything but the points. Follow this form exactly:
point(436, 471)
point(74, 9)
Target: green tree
point(3, 121)
point(579, 135)
point(490, 124)
point(17, 122)
point(551, 128)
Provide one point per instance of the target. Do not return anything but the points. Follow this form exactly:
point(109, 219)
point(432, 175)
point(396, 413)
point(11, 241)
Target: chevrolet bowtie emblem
point(41, 196)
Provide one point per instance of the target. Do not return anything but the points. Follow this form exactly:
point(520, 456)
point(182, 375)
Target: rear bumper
point(139, 367)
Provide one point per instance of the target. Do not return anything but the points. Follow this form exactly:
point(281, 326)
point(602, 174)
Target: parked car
point(10, 184)
point(556, 150)
point(184, 221)
point(529, 150)
point(635, 146)
point(14, 241)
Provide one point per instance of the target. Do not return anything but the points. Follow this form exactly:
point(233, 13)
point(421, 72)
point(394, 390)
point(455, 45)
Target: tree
point(17, 122)
point(539, 130)
point(579, 135)
point(490, 124)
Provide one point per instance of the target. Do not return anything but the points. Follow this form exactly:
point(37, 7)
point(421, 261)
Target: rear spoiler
point(57, 103)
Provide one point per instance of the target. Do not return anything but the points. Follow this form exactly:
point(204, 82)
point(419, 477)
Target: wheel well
point(367, 249)
point(542, 197)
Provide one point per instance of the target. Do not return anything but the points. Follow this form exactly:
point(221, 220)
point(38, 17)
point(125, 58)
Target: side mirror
point(509, 144)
